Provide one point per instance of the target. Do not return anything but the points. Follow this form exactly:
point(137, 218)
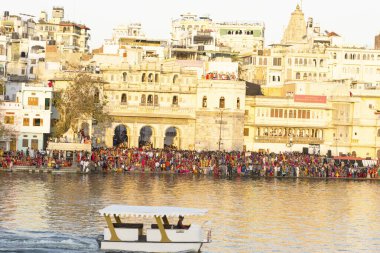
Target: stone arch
point(150, 77)
point(175, 100)
point(222, 102)
point(2, 50)
point(123, 98)
point(172, 138)
point(96, 95)
point(143, 99)
point(175, 79)
point(125, 76)
point(146, 137)
point(143, 78)
point(150, 99)
point(120, 136)
point(204, 102)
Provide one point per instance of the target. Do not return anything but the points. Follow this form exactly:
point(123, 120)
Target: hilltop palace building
point(196, 37)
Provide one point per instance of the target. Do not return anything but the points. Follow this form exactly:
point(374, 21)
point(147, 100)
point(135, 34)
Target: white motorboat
point(159, 236)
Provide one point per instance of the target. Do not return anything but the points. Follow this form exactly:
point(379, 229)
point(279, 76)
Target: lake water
point(58, 213)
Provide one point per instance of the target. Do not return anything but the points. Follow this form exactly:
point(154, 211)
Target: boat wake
point(39, 241)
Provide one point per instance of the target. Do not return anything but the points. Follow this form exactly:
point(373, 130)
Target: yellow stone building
point(164, 104)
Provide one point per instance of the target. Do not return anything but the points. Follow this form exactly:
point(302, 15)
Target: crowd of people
point(263, 164)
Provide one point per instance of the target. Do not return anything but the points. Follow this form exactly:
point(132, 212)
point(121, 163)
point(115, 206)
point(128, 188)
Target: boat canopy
point(150, 211)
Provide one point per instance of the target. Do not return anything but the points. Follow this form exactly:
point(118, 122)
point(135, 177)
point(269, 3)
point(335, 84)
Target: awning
point(150, 211)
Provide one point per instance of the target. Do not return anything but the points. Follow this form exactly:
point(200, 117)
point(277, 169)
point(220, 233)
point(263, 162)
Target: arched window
point(31, 70)
point(346, 56)
point(175, 79)
point(298, 75)
point(296, 61)
point(221, 102)
point(175, 100)
point(23, 54)
point(157, 78)
point(124, 76)
point(143, 78)
point(155, 99)
point(2, 71)
point(301, 61)
point(278, 79)
point(2, 50)
point(204, 102)
point(334, 56)
point(304, 76)
point(96, 95)
point(123, 98)
point(364, 57)
point(143, 99)
point(238, 103)
point(150, 78)
point(274, 78)
point(150, 100)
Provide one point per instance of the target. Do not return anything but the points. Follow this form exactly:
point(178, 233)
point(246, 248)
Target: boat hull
point(151, 246)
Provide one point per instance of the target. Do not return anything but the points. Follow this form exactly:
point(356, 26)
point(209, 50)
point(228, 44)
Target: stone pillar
point(135, 135)
point(109, 137)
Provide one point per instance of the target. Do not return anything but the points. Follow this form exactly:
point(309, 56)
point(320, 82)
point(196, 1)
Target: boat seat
point(128, 225)
point(155, 226)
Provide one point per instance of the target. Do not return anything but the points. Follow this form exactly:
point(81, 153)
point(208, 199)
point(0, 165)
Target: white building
point(27, 118)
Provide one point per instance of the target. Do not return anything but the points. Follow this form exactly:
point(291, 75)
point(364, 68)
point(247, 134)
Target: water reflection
point(284, 215)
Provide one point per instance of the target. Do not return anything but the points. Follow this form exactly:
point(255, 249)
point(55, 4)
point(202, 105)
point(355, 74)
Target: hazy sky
point(357, 21)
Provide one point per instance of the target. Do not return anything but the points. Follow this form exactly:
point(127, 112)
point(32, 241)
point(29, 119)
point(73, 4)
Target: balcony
point(151, 87)
point(150, 111)
point(296, 140)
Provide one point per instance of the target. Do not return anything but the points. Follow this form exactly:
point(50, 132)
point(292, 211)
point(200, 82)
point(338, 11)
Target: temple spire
point(295, 32)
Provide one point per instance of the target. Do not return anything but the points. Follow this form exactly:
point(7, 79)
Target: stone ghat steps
point(33, 169)
point(75, 170)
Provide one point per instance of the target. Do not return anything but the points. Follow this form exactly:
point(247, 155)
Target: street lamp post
point(336, 146)
point(220, 127)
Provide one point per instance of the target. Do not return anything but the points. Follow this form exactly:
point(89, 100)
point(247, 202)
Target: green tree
point(80, 100)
